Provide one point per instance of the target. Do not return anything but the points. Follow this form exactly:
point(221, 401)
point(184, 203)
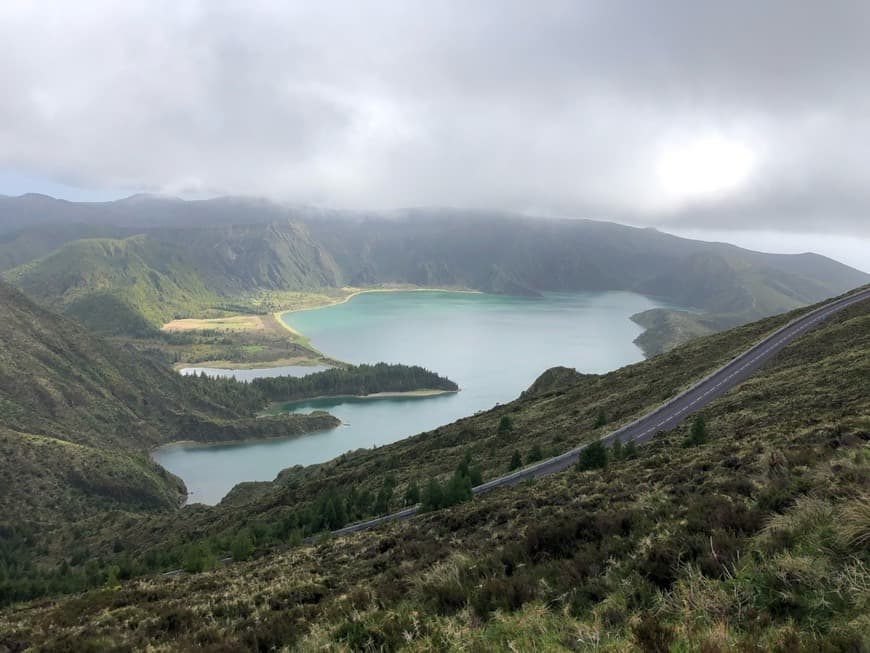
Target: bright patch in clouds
point(703, 168)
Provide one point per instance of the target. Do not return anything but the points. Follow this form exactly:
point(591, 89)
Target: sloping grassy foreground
point(756, 539)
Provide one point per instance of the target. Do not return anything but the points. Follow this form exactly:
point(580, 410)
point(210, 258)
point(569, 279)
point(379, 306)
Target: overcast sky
point(726, 116)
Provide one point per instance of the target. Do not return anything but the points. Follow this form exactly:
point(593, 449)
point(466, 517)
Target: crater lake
point(493, 346)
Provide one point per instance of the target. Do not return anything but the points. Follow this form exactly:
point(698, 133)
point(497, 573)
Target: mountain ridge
point(255, 245)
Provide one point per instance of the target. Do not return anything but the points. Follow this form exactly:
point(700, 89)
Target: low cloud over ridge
point(563, 108)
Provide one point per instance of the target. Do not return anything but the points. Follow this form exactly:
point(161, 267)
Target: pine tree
point(412, 494)
point(698, 433)
point(535, 454)
point(516, 461)
point(616, 451)
point(433, 496)
point(593, 456)
point(600, 418)
point(242, 546)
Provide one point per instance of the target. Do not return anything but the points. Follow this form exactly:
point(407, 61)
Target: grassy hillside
point(78, 417)
point(25, 244)
point(112, 285)
point(754, 536)
point(133, 286)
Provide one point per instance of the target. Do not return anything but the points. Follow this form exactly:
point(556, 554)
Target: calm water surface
point(493, 346)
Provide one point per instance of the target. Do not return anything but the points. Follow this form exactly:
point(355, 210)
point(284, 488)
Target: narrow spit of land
point(257, 341)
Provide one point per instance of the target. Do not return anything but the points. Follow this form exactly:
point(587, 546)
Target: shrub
point(242, 546)
point(853, 524)
point(593, 456)
point(433, 495)
point(412, 494)
point(698, 433)
point(272, 632)
point(617, 451)
point(651, 635)
point(600, 418)
point(199, 557)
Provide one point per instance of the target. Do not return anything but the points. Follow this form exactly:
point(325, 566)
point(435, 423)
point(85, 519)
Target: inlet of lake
point(493, 346)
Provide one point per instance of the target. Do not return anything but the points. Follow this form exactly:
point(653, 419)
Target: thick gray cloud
point(739, 115)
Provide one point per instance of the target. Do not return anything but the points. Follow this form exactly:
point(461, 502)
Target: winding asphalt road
point(669, 414)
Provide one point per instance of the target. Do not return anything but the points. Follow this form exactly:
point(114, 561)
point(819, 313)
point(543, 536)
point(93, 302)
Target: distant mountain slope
point(729, 284)
point(236, 246)
point(20, 246)
point(499, 253)
point(134, 285)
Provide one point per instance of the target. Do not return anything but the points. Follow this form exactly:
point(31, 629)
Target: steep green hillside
point(499, 253)
point(78, 417)
point(26, 244)
point(133, 286)
point(754, 535)
point(112, 285)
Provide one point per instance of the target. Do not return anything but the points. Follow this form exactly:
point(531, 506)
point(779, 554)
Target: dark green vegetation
point(79, 416)
point(753, 537)
point(132, 286)
point(353, 380)
point(666, 328)
point(24, 244)
point(457, 489)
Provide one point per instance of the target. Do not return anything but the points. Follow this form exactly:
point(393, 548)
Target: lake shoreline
point(199, 444)
point(278, 314)
point(481, 340)
point(421, 394)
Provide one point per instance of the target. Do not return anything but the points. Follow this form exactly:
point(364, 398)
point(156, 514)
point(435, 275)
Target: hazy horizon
point(848, 250)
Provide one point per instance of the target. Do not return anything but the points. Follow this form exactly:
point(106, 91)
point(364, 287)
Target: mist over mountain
point(195, 256)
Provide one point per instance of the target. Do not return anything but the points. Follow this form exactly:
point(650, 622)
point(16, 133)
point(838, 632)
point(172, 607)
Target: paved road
point(671, 413)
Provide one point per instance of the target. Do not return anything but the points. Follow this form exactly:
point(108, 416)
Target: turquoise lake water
point(493, 346)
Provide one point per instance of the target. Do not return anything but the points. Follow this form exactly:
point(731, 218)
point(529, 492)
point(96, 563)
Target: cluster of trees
point(236, 396)
point(334, 508)
point(596, 456)
point(246, 398)
point(456, 490)
point(534, 455)
point(355, 380)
